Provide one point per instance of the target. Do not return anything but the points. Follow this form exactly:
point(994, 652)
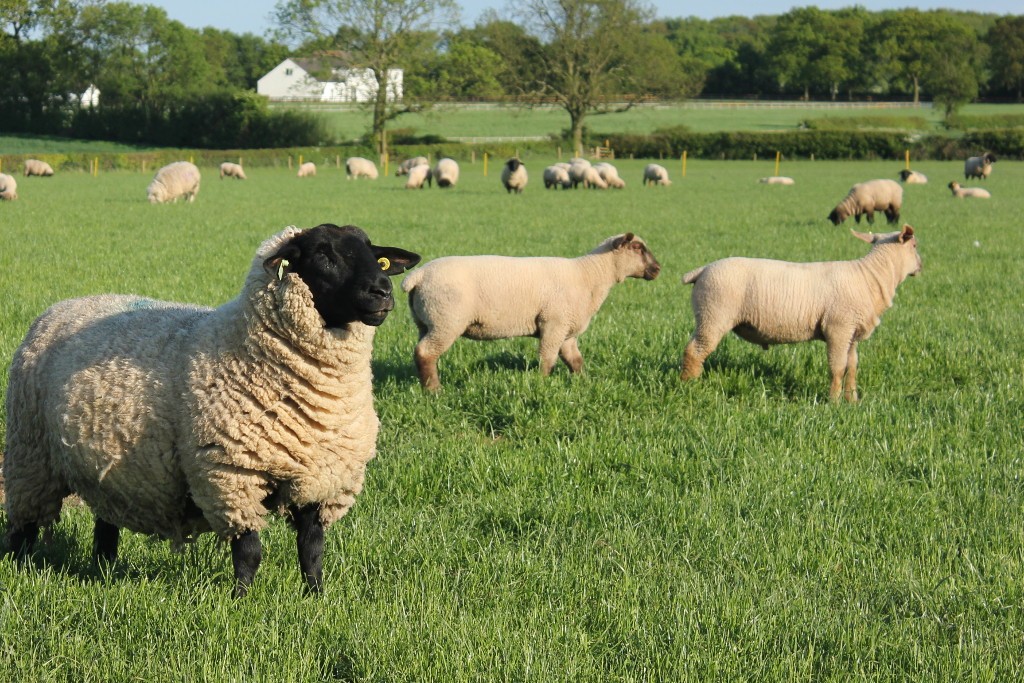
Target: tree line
point(586, 56)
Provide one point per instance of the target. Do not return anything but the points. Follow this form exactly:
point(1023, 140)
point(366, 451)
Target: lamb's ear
point(906, 233)
point(283, 261)
point(868, 237)
point(393, 260)
point(625, 239)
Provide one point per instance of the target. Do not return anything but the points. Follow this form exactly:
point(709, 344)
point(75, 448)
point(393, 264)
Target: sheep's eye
point(384, 263)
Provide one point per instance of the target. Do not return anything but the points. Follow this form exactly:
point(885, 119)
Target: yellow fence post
point(485, 164)
point(907, 155)
point(684, 163)
point(778, 158)
point(387, 158)
point(96, 172)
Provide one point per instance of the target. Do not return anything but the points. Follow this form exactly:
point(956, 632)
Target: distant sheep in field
point(230, 170)
point(358, 167)
point(174, 181)
point(913, 177)
point(961, 192)
point(409, 164)
point(768, 302)
point(866, 198)
point(610, 175)
point(578, 172)
point(979, 167)
point(496, 297)
point(592, 179)
point(37, 167)
point(776, 180)
point(418, 175)
point(656, 174)
point(446, 173)
point(557, 177)
point(307, 170)
point(8, 187)
point(514, 176)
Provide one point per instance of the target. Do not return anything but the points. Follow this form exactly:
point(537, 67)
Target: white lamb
point(8, 187)
point(358, 167)
point(656, 174)
point(446, 172)
point(865, 198)
point(979, 167)
point(592, 179)
point(37, 167)
point(495, 297)
point(769, 302)
point(231, 170)
point(776, 180)
point(307, 170)
point(975, 192)
point(174, 181)
point(172, 419)
point(409, 164)
point(418, 175)
point(557, 177)
point(610, 175)
point(578, 172)
point(514, 176)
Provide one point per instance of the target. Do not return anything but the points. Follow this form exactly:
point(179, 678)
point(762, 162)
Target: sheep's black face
point(347, 275)
point(835, 217)
point(513, 164)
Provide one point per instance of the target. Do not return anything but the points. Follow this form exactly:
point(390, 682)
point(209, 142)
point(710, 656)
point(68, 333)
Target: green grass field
point(615, 526)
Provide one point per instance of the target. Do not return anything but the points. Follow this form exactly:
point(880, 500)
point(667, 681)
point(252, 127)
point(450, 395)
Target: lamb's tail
point(410, 281)
point(692, 276)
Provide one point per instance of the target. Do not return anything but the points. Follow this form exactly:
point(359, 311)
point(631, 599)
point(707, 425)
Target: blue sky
point(252, 16)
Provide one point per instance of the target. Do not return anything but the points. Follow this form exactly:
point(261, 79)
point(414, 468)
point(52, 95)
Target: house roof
point(323, 67)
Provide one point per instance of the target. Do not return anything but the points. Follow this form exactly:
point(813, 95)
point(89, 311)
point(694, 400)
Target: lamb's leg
point(551, 340)
point(246, 555)
point(571, 356)
point(839, 346)
point(21, 540)
point(104, 541)
point(426, 364)
point(310, 539)
point(851, 374)
point(701, 345)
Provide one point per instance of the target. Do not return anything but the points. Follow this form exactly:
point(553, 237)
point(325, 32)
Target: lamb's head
point(634, 258)
point(905, 173)
point(903, 244)
point(513, 165)
point(345, 273)
point(838, 215)
point(954, 186)
point(988, 158)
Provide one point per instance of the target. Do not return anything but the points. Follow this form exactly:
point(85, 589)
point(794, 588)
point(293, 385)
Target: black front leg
point(246, 555)
point(310, 540)
point(20, 541)
point(104, 541)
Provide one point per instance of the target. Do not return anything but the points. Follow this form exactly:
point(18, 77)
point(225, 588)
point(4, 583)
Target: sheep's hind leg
point(105, 537)
point(571, 356)
point(21, 540)
point(701, 346)
point(246, 555)
point(426, 357)
point(310, 541)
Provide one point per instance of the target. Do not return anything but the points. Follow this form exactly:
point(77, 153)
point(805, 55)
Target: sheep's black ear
point(906, 233)
point(625, 239)
point(283, 261)
point(393, 260)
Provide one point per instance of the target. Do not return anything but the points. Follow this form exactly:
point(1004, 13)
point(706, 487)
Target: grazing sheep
point(495, 297)
point(8, 187)
point(610, 175)
point(776, 180)
point(866, 198)
point(592, 179)
point(913, 177)
point(409, 164)
point(513, 176)
point(230, 170)
point(446, 172)
point(358, 167)
point(979, 167)
point(656, 174)
point(555, 176)
point(174, 181)
point(769, 302)
point(307, 170)
point(961, 192)
point(565, 165)
point(417, 176)
point(37, 167)
point(171, 419)
point(578, 172)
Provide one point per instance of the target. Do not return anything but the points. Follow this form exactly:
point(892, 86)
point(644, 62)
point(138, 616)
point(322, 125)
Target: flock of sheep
point(173, 419)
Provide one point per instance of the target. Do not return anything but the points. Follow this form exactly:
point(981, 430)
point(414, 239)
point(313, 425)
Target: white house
point(325, 79)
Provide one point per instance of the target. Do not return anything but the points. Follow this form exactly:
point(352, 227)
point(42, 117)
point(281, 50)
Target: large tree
point(1006, 59)
point(379, 35)
point(593, 61)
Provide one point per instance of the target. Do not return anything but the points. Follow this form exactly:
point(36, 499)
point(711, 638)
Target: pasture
point(618, 525)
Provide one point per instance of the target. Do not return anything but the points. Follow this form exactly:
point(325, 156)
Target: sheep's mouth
point(376, 312)
point(651, 272)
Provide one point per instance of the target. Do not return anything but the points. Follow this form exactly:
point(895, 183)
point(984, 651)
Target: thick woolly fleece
point(171, 419)
point(174, 181)
point(868, 197)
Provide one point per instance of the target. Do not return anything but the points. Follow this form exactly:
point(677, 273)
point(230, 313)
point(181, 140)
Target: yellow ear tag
point(384, 263)
point(280, 268)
